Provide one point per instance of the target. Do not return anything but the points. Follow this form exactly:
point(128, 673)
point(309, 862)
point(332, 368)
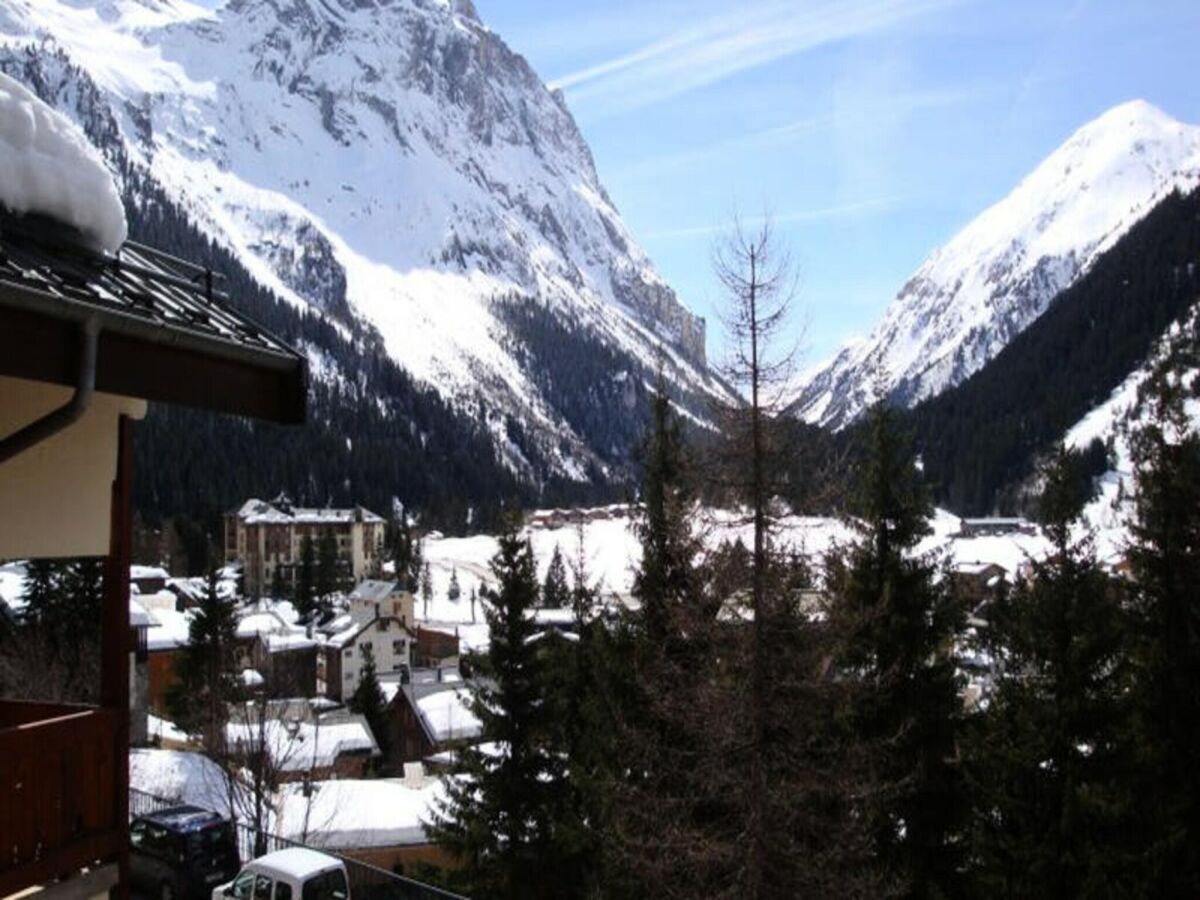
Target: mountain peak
point(973, 294)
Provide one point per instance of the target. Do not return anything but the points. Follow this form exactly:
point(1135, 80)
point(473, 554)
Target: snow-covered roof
point(258, 512)
point(172, 629)
point(351, 814)
point(48, 166)
point(373, 591)
point(179, 775)
point(143, 572)
point(448, 716)
point(297, 746)
point(138, 617)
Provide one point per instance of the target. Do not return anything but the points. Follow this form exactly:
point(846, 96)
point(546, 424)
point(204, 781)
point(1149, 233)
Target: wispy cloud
point(723, 45)
point(820, 214)
point(891, 106)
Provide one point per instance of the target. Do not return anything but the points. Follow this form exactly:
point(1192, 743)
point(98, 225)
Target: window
point(348, 652)
point(326, 886)
point(242, 886)
point(283, 891)
point(137, 833)
point(398, 647)
point(262, 887)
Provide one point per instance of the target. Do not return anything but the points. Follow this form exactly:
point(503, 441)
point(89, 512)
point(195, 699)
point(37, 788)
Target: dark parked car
point(181, 852)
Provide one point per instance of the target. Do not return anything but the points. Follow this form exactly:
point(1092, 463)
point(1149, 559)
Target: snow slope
point(394, 163)
point(975, 293)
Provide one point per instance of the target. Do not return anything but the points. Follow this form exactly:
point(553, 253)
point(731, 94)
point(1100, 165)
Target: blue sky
point(871, 129)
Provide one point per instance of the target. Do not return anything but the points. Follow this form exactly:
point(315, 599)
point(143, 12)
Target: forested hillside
point(979, 440)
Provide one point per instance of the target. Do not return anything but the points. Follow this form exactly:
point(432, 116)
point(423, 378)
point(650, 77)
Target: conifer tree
point(328, 576)
point(306, 580)
point(900, 626)
point(368, 701)
point(556, 592)
point(1164, 557)
point(42, 601)
point(1044, 754)
point(497, 819)
point(205, 679)
point(426, 588)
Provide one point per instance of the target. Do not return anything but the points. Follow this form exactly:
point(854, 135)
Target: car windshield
point(214, 841)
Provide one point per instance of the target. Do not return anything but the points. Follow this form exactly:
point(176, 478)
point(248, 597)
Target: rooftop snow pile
point(47, 166)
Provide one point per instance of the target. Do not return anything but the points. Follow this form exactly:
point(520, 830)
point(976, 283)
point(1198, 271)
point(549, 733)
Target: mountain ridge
point(999, 273)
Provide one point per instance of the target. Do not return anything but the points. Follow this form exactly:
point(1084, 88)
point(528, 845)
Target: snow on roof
point(259, 512)
point(139, 617)
point(140, 572)
point(297, 746)
point(172, 629)
point(47, 166)
point(373, 591)
point(351, 814)
point(296, 862)
point(179, 775)
point(448, 715)
point(251, 678)
point(164, 730)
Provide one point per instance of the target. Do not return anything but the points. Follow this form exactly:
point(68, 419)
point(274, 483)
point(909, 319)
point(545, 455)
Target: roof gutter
point(70, 412)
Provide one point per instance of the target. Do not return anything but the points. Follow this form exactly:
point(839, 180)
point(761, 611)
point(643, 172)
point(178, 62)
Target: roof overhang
point(166, 334)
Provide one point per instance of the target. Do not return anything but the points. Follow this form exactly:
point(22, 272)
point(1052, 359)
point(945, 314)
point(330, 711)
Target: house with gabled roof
point(379, 616)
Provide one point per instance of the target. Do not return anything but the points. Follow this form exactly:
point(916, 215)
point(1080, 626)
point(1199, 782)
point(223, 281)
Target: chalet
point(429, 714)
point(380, 617)
point(436, 649)
point(283, 652)
point(268, 538)
point(91, 329)
point(148, 579)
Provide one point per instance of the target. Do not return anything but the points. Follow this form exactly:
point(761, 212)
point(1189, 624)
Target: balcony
point(58, 810)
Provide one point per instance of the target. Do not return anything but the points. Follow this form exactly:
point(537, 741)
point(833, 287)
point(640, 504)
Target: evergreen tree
point(278, 585)
point(368, 700)
point(1164, 557)
point(42, 600)
point(453, 591)
point(474, 600)
point(328, 576)
point(205, 679)
point(498, 814)
point(426, 588)
point(1044, 754)
point(556, 592)
point(900, 626)
point(306, 580)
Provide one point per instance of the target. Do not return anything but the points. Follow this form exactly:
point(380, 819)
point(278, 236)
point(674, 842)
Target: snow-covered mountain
point(389, 164)
point(996, 276)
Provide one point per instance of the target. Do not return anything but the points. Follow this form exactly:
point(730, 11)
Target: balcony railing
point(57, 810)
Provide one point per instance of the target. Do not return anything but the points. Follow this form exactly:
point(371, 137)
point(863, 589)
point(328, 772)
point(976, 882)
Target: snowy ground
point(605, 540)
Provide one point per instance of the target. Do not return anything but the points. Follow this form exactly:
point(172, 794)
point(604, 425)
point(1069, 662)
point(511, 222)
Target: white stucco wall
point(55, 498)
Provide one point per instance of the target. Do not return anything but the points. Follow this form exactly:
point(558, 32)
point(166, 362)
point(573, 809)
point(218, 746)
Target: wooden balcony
point(58, 799)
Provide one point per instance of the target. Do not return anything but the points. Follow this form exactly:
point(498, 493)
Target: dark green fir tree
point(1044, 754)
point(205, 679)
point(368, 701)
point(306, 601)
point(556, 591)
point(497, 819)
point(901, 625)
point(1164, 558)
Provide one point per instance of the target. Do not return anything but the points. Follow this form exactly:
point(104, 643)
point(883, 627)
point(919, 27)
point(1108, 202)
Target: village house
point(994, 527)
point(379, 616)
point(283, 652)
point(91, 329)
point(268, 537)
point(429, 714)
point(303, 747)
point(976, 582)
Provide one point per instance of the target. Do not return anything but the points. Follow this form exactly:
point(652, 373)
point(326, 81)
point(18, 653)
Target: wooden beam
point(114, 640)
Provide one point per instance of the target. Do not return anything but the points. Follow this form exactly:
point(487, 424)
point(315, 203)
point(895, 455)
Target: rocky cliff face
point(977, 292)
point(387, 163)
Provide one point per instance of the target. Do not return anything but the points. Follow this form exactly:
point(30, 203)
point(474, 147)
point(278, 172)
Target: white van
point(293, 874)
